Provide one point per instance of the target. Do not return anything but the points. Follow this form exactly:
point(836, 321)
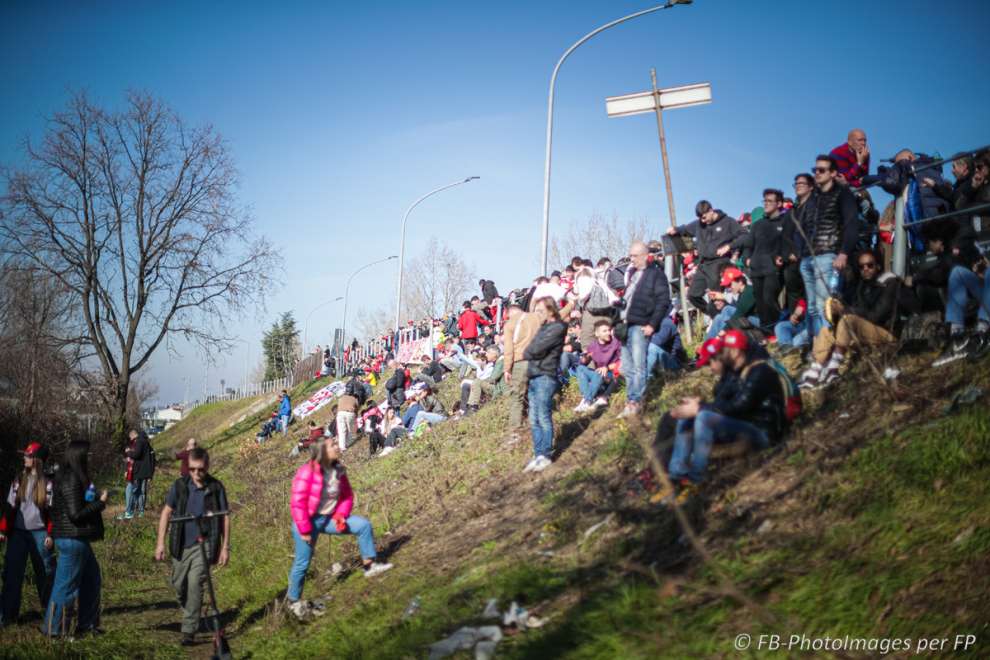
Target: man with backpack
point(193, 495)
point(751, 404)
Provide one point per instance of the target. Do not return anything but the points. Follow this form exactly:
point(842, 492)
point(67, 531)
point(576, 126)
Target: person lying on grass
point(321, 503)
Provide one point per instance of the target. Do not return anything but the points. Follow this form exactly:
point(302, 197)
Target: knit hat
point(708, 350)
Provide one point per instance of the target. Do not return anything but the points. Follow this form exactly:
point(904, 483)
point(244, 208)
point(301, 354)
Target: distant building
point(163, 418)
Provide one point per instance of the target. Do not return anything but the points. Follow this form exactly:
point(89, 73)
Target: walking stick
point(221, 649)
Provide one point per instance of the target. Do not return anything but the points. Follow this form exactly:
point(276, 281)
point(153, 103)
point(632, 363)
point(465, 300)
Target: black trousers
point(794, 284)
point(766, 289)
point(706, 278)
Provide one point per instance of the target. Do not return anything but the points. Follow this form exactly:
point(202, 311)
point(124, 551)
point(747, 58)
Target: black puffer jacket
point(650, 301)
point(874, 300)
point(763, 243)
point(756, 398)
point(72, 516)
point(835, 227)
point(709, 238)
point(543, 353)
point(395, 386)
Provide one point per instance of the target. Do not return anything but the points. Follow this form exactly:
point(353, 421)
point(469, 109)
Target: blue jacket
point(285, 409)
point(667, 337)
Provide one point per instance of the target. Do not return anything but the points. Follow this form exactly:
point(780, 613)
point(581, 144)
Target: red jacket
point(468, 323)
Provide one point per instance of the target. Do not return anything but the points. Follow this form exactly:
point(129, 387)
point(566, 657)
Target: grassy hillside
point(871, 521)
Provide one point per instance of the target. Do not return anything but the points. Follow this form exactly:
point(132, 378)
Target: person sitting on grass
point(749, 405)
point(315, 434)
point(489, 381)
point(792, 332)
point(599, 365)
point(321, 503)
point(863, 317)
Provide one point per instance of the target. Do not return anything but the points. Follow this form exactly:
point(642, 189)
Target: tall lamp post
point(310, 315)
point(347, 289)
point(553, 83)
point(402, 241)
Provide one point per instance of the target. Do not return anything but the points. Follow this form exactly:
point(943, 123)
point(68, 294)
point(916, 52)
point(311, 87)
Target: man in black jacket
point(647, 302)
point(140, 470)
point(749, 406)
point(764, 245)
point(396, 386)
point(194, 495)
point(713, 234)
point(832, 232)
point(865, 316)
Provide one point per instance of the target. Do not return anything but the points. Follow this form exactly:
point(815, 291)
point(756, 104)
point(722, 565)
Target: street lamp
point(310, 315)
point(402, 241)
point(553, 82)
point(347, 289)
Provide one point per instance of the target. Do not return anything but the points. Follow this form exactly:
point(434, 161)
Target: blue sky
point(341, 114)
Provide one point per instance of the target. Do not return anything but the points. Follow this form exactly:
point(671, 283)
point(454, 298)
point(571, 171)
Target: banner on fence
point(318, 400)
point(413, 351)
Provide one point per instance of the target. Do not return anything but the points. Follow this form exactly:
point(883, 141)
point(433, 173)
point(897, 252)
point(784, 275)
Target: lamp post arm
point(402, 241)
point(550, 97)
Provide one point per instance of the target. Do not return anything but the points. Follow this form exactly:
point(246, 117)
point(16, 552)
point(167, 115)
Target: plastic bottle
point(90, 493)
point(412, 608)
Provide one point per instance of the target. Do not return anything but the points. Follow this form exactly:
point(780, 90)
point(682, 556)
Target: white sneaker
point(376, 569)
point(581, 407)
point(387, 451)
point(532, 463)
point(300, 609)
point(599, 402)
point(541, 464)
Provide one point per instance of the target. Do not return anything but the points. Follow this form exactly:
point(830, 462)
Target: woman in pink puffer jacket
point(321, 504)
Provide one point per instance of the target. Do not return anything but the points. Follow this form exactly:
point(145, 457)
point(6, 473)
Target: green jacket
point(745, 305)
point(497, 379)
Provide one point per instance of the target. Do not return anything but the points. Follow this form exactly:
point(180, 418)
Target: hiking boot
point(376, 569)
point(956, 349)
point(300, 609)
point(188, 639)
point(687, 492)
point(541, 463)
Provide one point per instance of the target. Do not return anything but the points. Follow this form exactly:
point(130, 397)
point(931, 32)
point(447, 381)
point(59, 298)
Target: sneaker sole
point(948, 360)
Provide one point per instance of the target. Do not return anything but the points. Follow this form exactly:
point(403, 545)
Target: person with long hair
point(543, 357)
point(77, 521)
point(321, 503)
point(27, 530)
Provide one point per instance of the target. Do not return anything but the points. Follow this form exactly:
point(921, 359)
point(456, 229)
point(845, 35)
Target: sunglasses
point(198, 470)
point(820, 170)
point(868, 264)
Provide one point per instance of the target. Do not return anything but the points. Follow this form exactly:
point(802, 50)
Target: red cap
point(708, 350)
point(729, 275)
point(735, 339)
point(36, 450)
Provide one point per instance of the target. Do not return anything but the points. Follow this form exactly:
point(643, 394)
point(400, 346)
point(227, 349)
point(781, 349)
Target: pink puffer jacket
point(307, 486)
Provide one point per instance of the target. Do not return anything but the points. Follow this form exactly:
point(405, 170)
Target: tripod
point(221, 650)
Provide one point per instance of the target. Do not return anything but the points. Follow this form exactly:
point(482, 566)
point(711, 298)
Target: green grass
point(892, 540)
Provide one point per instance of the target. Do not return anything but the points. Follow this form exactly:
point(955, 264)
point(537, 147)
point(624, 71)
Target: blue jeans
point(589, 382)
point(568, 361)
point(76, 576)
point(634, 363)
point(718, 323)
point(963, 285)
point(423, 416)
point(656, 354)
point(541, 390)
point(695, 438)
point(135, 495)
point(789, 334)
point(22, 544)
point(817, 272)
point(284, 424)
point(356, 525)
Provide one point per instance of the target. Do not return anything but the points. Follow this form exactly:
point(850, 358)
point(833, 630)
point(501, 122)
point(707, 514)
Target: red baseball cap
point(735, 339)
point(708, 350)
point(36, 450)
point(730, 275)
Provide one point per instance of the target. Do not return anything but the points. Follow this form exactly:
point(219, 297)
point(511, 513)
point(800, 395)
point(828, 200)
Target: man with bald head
point(647, 302)
point(852, 158)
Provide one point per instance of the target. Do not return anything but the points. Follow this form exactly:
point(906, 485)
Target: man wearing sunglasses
point(193, 495)
point(864, 317)
point(832, 232)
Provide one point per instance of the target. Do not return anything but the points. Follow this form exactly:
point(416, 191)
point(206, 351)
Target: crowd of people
point(808, 274)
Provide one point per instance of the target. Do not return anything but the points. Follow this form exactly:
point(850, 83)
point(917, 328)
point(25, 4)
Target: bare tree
point(135, 213)
point(374, 323)
point(438, 281)
point(598, 236)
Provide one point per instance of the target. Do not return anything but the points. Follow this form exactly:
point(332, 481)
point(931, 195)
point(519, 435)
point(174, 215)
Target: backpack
point(615, 278)
point(601, 301)
point(792, 395)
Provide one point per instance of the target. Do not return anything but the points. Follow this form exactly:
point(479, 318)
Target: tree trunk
point(118, 422)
